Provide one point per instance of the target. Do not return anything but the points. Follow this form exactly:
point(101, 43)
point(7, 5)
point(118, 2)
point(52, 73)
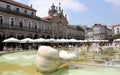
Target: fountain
point(22, 63)
point(49, 59)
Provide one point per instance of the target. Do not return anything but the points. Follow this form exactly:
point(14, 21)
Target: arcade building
point(20, 21)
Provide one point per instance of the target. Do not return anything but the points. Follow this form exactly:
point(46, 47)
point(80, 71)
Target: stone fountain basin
point(22, 63)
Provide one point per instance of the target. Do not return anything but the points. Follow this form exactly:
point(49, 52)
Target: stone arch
point(11, 34)
point(55, 37)
point(21, 36)
point(60, 37)
point(2, 37)
point(2, 33)
point(36, 36)
point(64, 37)
point(48, 37)
point(43, 36)
point(69, 37)
point(29, 36)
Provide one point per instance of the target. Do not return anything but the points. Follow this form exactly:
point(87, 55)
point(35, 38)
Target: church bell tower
point(52, 10)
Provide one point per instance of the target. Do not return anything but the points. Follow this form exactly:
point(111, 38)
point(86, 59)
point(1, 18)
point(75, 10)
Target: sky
point(81, 12)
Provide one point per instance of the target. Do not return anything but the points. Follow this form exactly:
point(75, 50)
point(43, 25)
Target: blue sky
point(82, 12)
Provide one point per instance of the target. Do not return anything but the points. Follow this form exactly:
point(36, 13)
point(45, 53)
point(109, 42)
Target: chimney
point(31, 5)
point(95, 24)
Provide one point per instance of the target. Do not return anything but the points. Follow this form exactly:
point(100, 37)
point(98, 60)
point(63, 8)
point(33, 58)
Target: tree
point(116, 36)
point(78, 28)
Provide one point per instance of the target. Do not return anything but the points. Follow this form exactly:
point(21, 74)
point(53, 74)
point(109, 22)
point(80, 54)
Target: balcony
point(17, 27)
point(19, 13)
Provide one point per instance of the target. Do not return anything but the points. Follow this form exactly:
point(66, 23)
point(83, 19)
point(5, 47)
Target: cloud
point(42, 6)
point(114, 2)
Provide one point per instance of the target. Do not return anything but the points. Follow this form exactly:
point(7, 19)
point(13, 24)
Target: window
point(30, 24)
point(118, 32)
point(25, 11)
point(8, 7)
point(48, 27)
point(21, 23)
point(42, 27)
point(12, 22)
point(117, 28)
point(32, 13)
point(17, 9)
point(1, 20)
point(36, 25)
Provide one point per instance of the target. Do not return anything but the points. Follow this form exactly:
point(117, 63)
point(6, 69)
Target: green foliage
point(79, 28)
point(116, 36)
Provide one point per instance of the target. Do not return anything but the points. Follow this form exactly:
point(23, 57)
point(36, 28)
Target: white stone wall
point(116, 29)
point(90, 35)
point(99, 32)
point(109, 32)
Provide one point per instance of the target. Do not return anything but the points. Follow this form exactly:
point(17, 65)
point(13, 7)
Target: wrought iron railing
point(17, 27)
point(19, 13)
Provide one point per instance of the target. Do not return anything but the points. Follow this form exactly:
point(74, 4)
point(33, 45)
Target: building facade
point(89, 34)
point(99, 32)
point(20, 21)
point(76, 31)
point(116, 29)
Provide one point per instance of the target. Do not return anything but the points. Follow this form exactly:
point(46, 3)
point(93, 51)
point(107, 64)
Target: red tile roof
point(116, 25)
point(47, 17)
point(97, 25)
point(18, 4)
